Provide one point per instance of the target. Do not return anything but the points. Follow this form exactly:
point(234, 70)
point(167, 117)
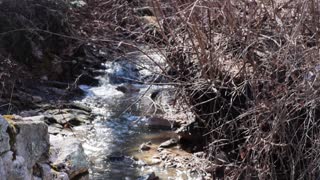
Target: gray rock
point(169, 143)
point(73, 116)
point(36, 178)
point(69, 153)
point(60, 176)
point(54, 130)
point(2, 168)
point(64, 118)
point(32, 142)
point(123, 72)
point(156, 122)
point(46, 173)
point(144, 147)
point(150, 176)
point(14, 169)
point(4, 136)
point(127, 88)
point(29, 113)
point(80, 107)
point(34, 118)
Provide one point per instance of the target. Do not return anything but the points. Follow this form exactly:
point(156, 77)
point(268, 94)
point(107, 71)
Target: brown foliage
point(250, 71)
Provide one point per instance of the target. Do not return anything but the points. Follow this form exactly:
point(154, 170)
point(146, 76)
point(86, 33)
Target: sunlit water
point(113, 138)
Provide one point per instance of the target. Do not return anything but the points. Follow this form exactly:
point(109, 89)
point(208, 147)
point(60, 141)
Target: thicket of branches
point(249, 70)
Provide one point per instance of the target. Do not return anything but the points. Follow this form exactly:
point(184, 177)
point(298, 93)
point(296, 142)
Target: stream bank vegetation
point(249, 70)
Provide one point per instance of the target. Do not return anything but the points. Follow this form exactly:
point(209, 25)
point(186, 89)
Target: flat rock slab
point(169, 143)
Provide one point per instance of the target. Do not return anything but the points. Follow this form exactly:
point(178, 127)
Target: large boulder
point(32, 142)
point(68, 156)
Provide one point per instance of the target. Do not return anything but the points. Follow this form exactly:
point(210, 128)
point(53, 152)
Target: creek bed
point(112, 139)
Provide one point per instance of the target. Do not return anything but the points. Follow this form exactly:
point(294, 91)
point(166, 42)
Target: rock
point(74, 117)
point(34, 118)
point(80, 107)
point(54, 130)
point(4, 136)
point(70, 153)
point(169, 143)
point(14, 169)
point(29, 145)
point(87, 79)
point(127, 88)
point(32, 141)
point(29, 113)
point(158, 122)
point(64, 118)
point(144, 147)
point(74, 120)
point(156, 160)
point(113, 158)
point(123, 72)
point(45, 171)
point(150, 176)
point(60, 176)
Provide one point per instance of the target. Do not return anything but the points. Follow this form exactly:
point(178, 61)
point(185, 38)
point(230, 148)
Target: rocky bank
point(27, 154)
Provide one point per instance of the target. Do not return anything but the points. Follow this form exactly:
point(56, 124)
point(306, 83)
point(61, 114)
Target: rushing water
point(113, 138)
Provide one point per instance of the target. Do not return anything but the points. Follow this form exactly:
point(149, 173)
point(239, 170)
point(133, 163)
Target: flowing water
point(112, 140)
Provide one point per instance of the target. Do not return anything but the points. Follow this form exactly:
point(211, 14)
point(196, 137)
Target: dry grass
point(250, 71)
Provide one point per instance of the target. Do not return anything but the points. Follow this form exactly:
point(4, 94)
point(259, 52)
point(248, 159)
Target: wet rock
point(144, 147)
point(80, 107)
point(150, 176)
point(156, 160)
point(32, 141)
point(168, 144)
point(123, 72)
point(114, 158)
point(87, 79)
point(4, 136)
point(127, 88)
point(158, 123)
point(69, 152)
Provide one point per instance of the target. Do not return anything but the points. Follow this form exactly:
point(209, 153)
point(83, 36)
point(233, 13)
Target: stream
point(112, 139)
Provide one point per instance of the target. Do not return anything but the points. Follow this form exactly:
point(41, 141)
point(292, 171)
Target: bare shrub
point(250, 71)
